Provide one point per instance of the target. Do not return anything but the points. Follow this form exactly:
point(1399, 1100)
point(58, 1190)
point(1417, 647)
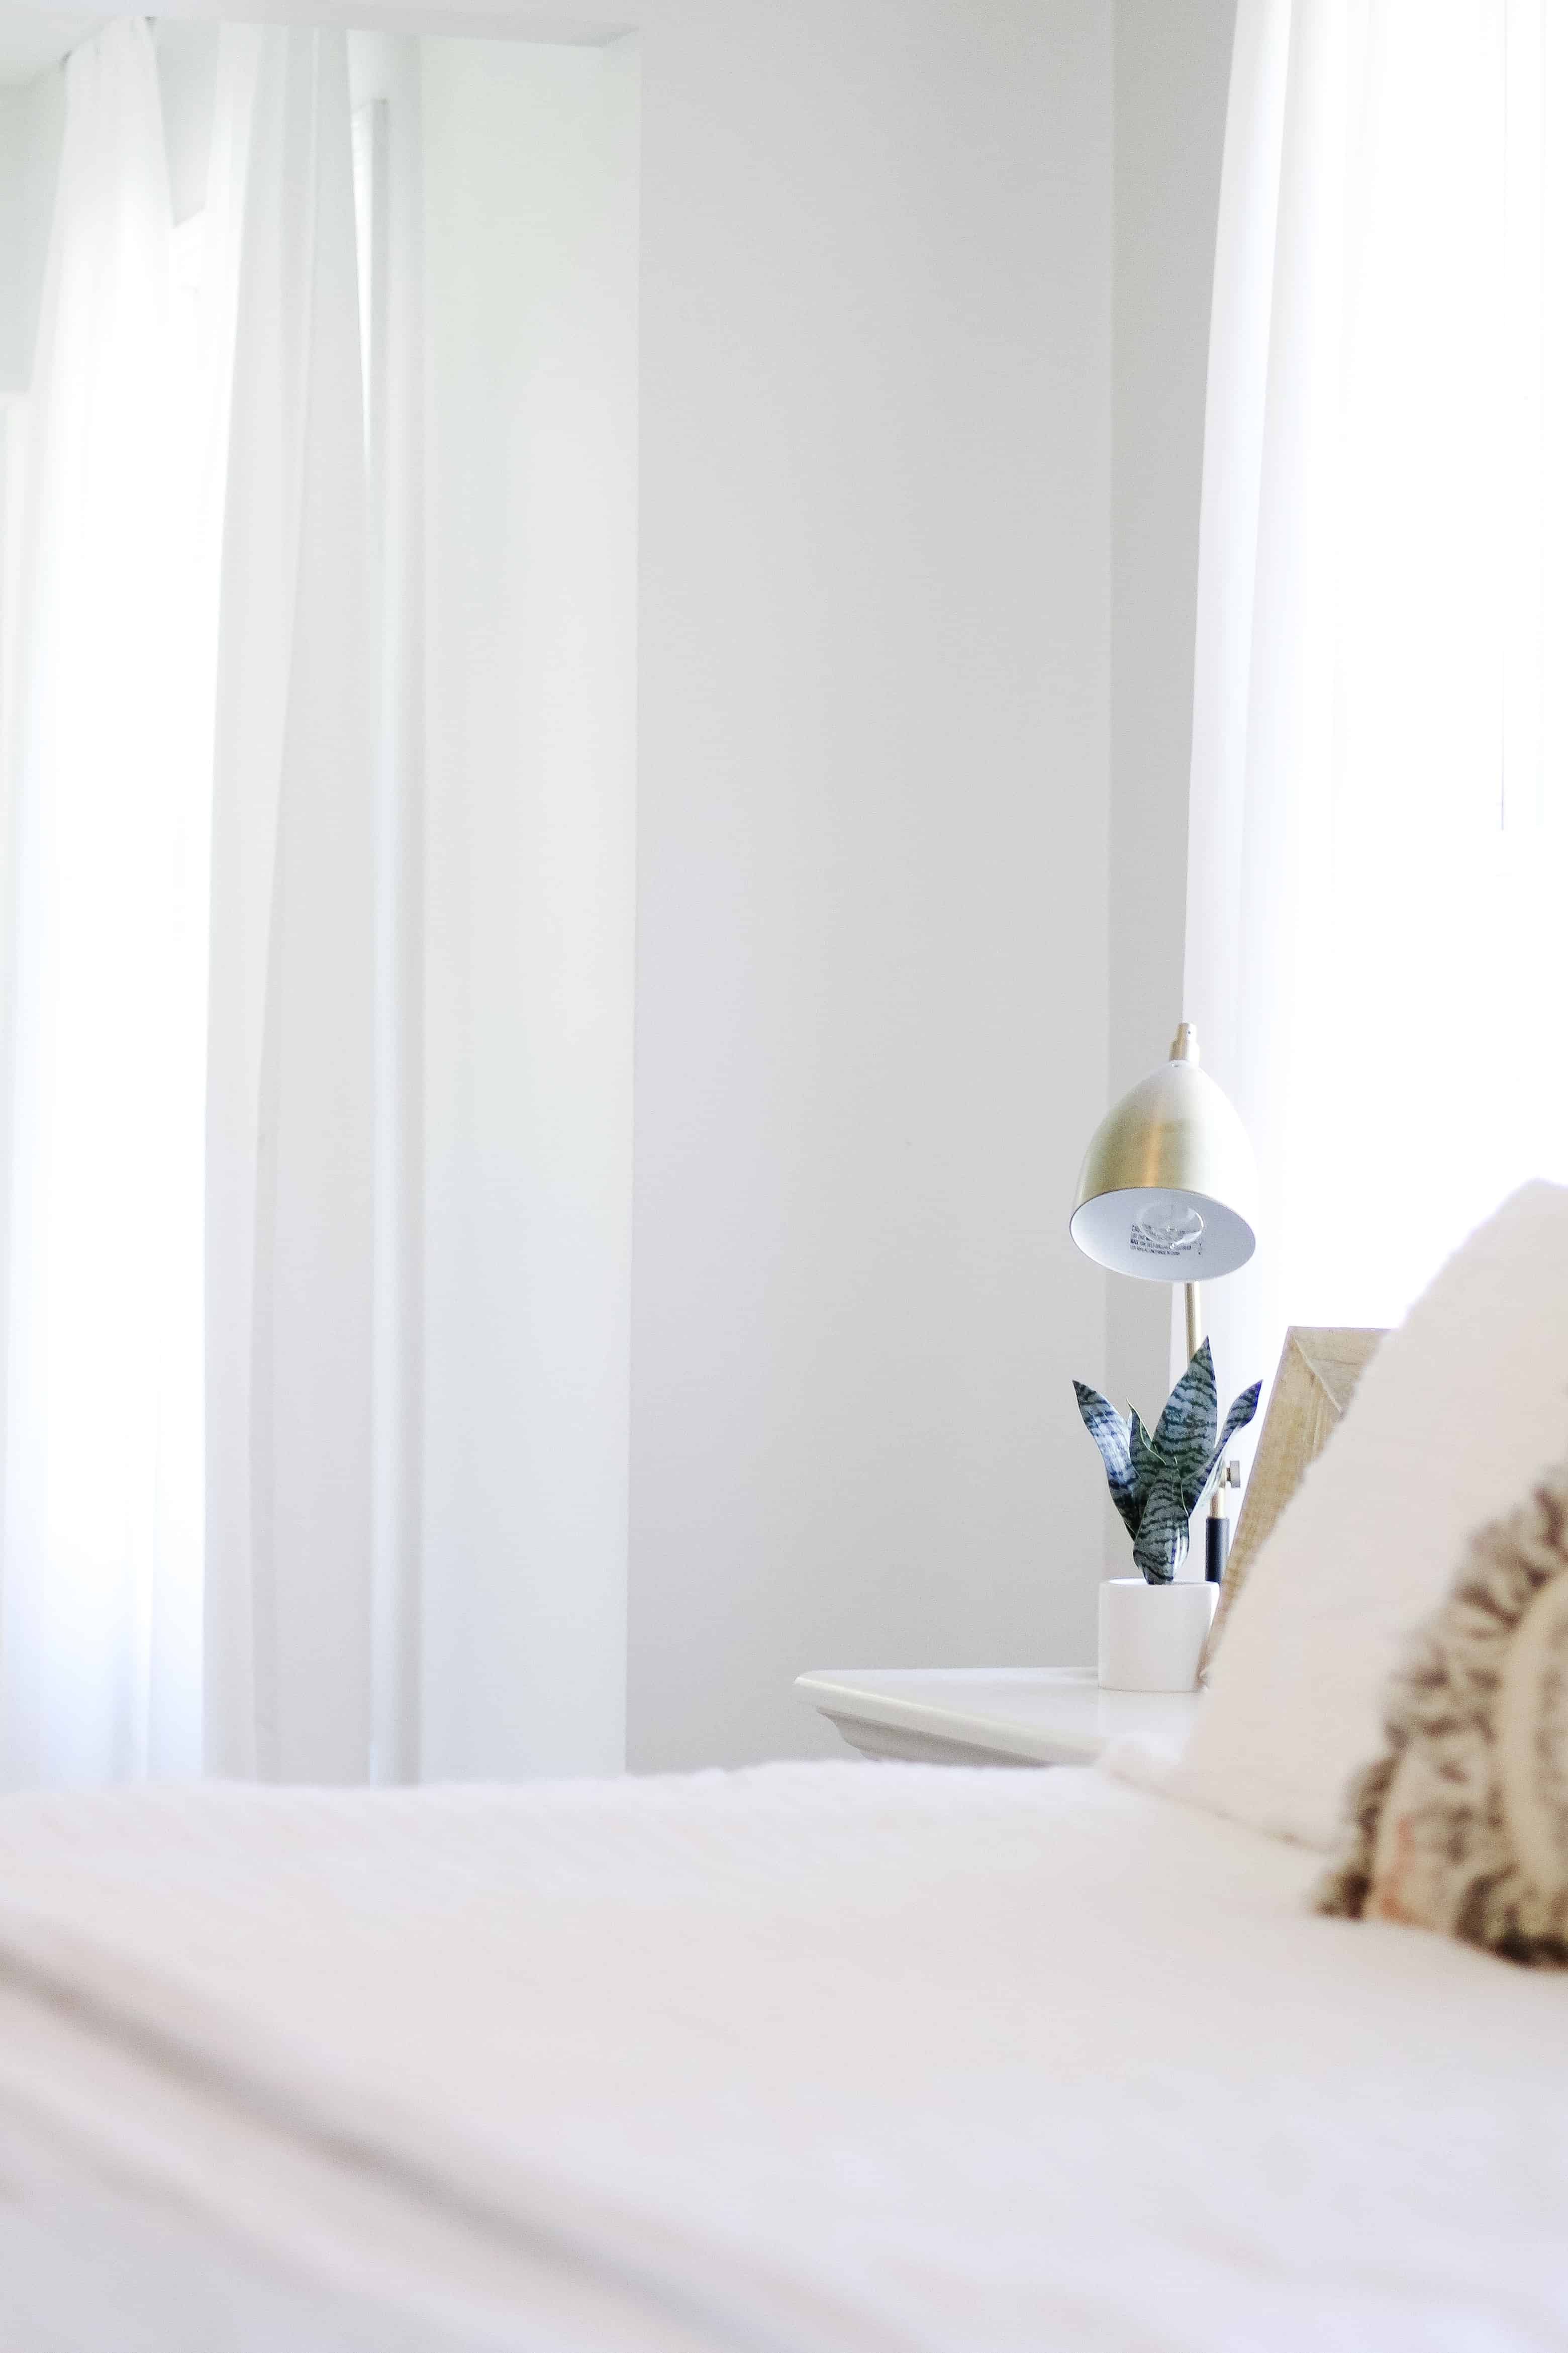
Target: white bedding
point(811, 2056)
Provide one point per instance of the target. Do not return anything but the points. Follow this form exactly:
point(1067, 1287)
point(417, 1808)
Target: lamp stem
point(1194, 1320)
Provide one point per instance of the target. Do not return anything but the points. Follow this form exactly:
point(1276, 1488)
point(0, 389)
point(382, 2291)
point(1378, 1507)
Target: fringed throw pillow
point(1461, 1825)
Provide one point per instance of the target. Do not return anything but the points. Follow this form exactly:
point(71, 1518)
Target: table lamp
point(1168, 1188)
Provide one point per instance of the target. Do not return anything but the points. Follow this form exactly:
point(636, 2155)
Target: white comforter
point(813, 2057)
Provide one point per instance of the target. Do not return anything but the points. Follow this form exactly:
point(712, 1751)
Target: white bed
point(812, 2056)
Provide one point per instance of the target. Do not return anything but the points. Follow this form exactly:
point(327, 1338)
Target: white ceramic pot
point(1151, 1636)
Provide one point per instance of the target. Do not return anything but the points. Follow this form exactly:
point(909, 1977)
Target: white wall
point(872, 884)
point(13, 240)
point(1172, 77)
point(872, 878)
point(530, 174)
point(32, 119)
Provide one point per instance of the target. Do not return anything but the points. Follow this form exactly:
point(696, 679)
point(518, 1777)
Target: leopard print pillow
point(1461, 1825)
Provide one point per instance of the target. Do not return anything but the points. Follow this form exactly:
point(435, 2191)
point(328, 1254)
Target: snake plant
point(1158, 1478)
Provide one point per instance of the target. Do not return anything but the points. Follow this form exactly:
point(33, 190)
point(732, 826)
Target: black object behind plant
point(1157, 1479)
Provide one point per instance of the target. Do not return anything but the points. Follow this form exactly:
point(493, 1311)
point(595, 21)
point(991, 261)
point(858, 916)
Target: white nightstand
point(988, 1716)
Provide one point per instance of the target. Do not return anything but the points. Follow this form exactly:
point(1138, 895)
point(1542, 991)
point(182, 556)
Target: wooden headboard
point(1319, 1369)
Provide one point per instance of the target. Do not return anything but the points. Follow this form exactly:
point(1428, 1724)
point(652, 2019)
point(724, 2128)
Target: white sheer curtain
point(186, 1572)
point(290, 1117)
point(1376, 951)
point(99, 1603)
point(314, 1089)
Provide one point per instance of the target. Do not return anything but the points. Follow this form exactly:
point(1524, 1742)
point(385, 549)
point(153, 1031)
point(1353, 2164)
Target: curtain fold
point(290, 1062)
point(389, 130)
point(100, 1606)
point(1380, 760)
point(190, 1077)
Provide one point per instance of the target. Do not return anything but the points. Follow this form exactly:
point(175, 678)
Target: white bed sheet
point(811, 2056)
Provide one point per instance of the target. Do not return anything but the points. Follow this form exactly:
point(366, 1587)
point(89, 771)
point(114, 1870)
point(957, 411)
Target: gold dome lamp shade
point(1168, 1190)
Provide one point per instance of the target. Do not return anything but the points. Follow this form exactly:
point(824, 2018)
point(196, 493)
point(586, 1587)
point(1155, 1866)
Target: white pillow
point(1454, 1415)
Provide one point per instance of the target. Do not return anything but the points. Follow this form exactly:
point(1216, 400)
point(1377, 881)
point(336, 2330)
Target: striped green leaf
point(1238, 1417)
point(1112, 1436)
point(1160, 1546)
point(1184, 1435)
point(1145, 1461)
